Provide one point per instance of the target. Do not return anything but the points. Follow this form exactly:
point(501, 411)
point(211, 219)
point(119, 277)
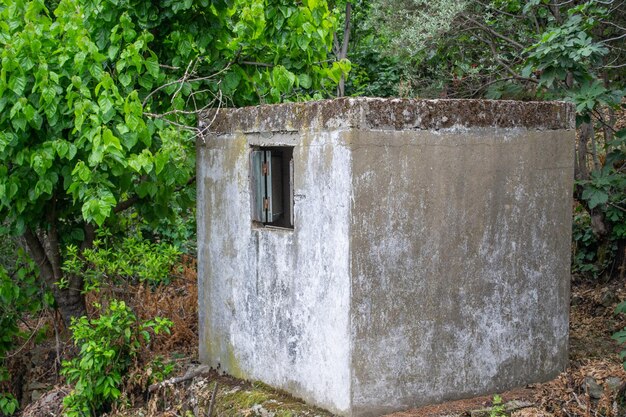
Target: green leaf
point(48, 95)
point(335, 72)
point(72, 151)
point(62, 148)
point(283, 78)
point(595, 197)
point(160, 161)
point(230, 82)
point(84, 174)
point(29, 112)
point(17, 83)
point(96, 71)
point(110, 141)
point(152, 65)
point(125, 79)
point(135, 163)
point(303, 42)
point(305, 80)
point(97, 210)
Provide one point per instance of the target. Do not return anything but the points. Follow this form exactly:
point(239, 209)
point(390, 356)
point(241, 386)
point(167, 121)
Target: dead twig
point(191, 374)
point(212, 402)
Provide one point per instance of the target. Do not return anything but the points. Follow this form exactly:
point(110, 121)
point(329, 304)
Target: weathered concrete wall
point(460, 263)
point(429, 257)
point(274, 304)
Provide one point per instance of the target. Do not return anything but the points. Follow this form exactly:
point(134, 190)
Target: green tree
point(98, 105)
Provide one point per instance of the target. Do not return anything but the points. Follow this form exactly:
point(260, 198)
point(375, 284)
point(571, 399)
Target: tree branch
point(344, 49)
point(494, 33)
point(53, 241)
point(482, 87)
point(189, 76)
point(510, 70)
point(556, 12)
point(258, 64)
point(126, 204)
point(614, 39)
point(38, 252)
point(190, 374)
point(90, 234)
point(581, 169)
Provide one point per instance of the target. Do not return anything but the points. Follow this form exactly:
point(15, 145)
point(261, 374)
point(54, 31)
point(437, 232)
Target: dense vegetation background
point(98, 116)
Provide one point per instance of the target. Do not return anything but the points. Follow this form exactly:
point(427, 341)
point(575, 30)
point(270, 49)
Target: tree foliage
point(419, 20)
point(98, 104)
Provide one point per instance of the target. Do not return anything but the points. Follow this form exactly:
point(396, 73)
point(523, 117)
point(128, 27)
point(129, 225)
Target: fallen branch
point(190, 374)
point(212, 403)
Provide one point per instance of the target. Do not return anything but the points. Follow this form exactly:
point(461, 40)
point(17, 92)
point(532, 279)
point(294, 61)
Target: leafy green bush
point(108, 346)
point(132, 259)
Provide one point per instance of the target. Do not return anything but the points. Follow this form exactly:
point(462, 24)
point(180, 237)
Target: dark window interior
point(272, 185)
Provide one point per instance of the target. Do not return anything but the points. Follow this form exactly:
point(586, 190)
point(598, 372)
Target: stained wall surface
point(459, 263)
point(429, 258)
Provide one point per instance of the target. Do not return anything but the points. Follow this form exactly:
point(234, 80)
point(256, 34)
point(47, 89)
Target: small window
point(271, 171)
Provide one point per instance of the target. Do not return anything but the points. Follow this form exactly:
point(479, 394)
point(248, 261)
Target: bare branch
point(344, 49)
point(185, 78)
point(182, 81)
point(168, 67)
point(208, 126)
point(503, 64)
point(581, 170)
point(212, 402)
point(258, 64)
point(171, 122)
point(482, 87)
point(599, 118)
point(556, 12)
point(562, 3)
point(190, 374)
point(497, 10)
point(614, 39)
point(494, 33)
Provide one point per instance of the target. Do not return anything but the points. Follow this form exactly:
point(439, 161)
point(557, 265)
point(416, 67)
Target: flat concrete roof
point(391, 114)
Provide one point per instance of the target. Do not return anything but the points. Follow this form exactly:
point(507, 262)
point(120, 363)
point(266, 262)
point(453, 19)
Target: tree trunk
point(45, 252)
point(581, 168)
point(342, 52)
point(619, 264)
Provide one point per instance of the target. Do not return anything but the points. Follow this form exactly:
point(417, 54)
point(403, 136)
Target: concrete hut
point(371, 255)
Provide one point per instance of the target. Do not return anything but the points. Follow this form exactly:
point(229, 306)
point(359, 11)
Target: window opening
point(272, 185)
